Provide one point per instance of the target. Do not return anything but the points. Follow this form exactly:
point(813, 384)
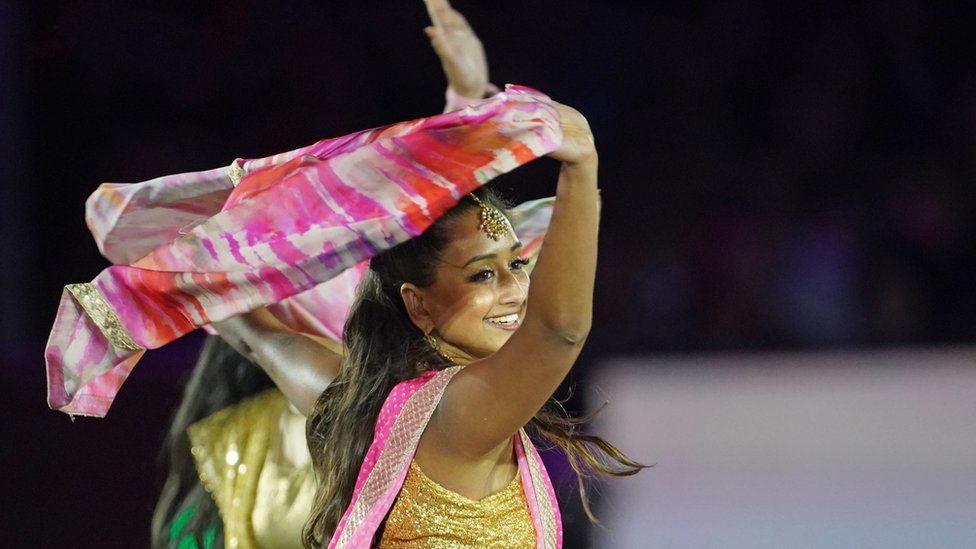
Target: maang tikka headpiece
point(493, 222)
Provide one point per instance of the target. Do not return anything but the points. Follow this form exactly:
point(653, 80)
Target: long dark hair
point(383, 349)
point(221, 377)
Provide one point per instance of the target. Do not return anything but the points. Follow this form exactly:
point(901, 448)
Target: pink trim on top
point(528, 488)
point(401, 422)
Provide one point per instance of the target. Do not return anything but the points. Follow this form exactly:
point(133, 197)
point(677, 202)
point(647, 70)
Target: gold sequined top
point(253, 460)
point(428, 515)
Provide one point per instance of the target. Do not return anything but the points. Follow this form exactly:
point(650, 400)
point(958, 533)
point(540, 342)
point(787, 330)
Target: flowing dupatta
point(400, 424)
point(294, 222)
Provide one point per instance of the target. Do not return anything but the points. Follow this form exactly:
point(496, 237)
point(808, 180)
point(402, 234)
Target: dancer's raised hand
point(459, 49)
point(578, 146)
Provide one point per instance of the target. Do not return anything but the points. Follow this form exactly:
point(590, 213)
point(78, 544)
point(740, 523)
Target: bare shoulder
point(472, 476)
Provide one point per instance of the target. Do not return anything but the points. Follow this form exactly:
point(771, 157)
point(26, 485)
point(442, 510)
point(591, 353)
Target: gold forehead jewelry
point(493, 222)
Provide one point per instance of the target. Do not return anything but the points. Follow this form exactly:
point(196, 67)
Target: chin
point(498, 340)
point(489, 343)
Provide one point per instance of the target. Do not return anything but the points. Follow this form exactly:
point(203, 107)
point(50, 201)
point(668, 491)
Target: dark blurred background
point(774, 175)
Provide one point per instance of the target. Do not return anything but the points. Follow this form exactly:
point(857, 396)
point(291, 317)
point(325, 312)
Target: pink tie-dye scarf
point(295, 233)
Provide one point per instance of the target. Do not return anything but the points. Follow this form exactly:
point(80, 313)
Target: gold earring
point(437, 348)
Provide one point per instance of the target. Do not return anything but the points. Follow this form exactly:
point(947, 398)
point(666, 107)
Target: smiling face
point(479, 296)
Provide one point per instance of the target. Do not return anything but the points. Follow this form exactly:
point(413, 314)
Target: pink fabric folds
point(400, 424)
point(295, 221)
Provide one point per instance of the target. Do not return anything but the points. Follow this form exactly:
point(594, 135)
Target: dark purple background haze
point(774, 175)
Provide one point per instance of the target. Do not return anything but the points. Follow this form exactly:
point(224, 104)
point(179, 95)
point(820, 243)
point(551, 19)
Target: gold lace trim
point(541, 492)
point(101, 311)
point(236, 172)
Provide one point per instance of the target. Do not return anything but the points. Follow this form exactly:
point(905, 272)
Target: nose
point(513, 287)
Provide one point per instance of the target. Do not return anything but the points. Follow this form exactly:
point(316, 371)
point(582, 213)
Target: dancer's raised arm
point(492, 398)
point(300, 365)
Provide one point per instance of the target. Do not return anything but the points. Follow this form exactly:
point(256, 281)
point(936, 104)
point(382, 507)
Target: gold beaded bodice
point(253, 459)
point(427, 515)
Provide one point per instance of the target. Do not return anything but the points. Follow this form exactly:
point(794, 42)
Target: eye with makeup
point(486, 274)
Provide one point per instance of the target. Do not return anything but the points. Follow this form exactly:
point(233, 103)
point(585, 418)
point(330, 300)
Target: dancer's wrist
point(458, 99)
point(583, 165)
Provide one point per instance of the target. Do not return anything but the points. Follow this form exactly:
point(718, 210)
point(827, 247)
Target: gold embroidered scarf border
point(236, 172)
point(101, 312)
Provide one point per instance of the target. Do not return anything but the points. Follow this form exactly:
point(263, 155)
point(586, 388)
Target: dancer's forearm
point(301, 367)
point(561, 294)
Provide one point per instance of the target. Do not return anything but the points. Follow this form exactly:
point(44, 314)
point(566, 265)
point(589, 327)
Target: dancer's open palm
point(461, 53)
point(578, 145)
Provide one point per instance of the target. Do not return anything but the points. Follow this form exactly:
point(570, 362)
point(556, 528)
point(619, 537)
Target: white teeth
point(507, 319)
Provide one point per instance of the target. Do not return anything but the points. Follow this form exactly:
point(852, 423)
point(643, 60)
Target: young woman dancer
point(420, 440)
point(229, 402)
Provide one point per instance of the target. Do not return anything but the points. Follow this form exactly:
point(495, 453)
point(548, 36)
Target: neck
point(457, 354)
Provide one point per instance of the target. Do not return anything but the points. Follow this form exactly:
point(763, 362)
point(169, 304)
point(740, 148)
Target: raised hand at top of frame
point(459, 49)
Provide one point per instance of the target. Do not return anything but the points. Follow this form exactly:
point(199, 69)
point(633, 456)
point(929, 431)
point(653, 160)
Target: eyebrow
point(476, 258)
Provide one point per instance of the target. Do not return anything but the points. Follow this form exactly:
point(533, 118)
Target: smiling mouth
point(507, 322)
